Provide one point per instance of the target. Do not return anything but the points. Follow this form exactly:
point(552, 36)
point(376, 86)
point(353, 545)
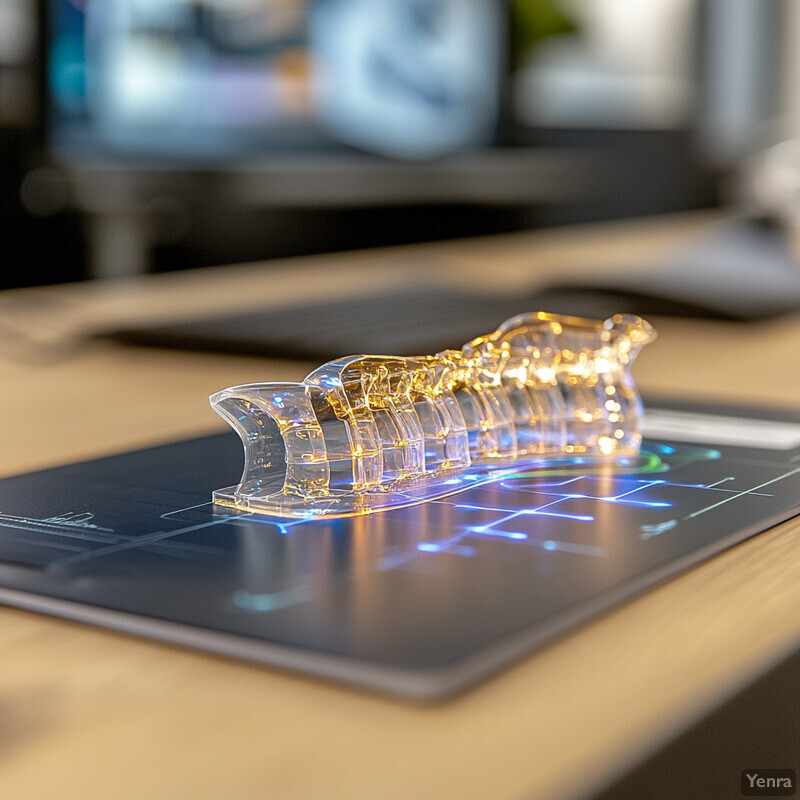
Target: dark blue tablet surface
point(420, 601)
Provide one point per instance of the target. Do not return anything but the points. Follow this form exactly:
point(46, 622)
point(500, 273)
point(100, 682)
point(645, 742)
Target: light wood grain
point(88, 714)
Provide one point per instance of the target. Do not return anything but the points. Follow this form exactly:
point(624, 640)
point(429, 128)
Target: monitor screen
point(178, 79)
point(226, 79)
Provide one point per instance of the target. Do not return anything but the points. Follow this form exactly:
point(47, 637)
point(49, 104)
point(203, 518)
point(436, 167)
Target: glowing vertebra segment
point(366, 433)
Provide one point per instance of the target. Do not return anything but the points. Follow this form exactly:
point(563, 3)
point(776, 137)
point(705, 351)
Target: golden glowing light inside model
point(366, 433)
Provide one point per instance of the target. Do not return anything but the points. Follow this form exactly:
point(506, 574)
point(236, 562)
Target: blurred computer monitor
point(222, 80)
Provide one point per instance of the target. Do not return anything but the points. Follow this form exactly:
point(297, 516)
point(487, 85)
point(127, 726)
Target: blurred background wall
point(148, 135)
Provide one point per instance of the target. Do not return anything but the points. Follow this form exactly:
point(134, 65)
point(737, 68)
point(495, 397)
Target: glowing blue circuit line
point(508, 514)
point(576, 517)
point(606, 498)
point(453, 543)
point(741, 494)
point(601, 499)
point(142, 541)
point(282, 525)
point(538, 511)
point(177, 511)
point(560, 483)
point(721, 480)
point(486, 530)
point(553, 499)
point(642, 484)
point(715, 488)
point(484, 508)
point(638, 488)
point(571, 547)
point(432, 547)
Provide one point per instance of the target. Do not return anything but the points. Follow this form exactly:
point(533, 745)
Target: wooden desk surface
point(86, 713)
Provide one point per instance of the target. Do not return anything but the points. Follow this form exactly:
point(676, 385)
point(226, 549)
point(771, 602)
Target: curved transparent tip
point(629, 334)
point(367, 433)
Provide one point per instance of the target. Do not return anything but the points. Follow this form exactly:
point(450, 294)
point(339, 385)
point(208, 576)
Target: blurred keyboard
point(739, 272)
point(413, 322)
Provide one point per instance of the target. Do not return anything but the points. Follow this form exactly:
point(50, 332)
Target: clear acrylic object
point(367, 433)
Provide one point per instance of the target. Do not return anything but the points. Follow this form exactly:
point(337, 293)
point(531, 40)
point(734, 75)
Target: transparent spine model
point(367, 433)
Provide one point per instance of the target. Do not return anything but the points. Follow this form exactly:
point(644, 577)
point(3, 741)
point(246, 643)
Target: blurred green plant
point(532, 21)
